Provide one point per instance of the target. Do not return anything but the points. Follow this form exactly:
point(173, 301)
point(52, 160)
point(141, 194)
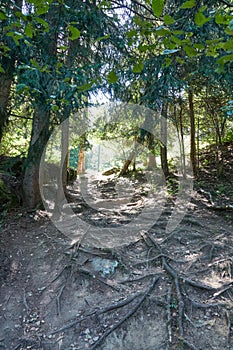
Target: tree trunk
point(39, 139)
point(163, 148)
point(193, 153)
point(127, 163)
point(151, 162)
point(5, 89)
point(6, 78)
point(81, 161)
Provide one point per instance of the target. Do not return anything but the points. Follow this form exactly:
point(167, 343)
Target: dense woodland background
point(57, 57)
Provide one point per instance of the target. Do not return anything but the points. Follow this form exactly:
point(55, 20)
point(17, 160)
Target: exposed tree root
point(127, 316)
point(58, 300)
point(229, 324)
point(169, 317)
point(109, 308)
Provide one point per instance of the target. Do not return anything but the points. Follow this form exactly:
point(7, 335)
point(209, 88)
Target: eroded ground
point(162, 290)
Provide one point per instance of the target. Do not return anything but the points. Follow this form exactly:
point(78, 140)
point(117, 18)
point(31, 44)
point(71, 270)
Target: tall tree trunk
point(42, 126)
point(193, 152)
point(81, 161)
point(163, 148)
point(62, 176)
point(5, 89)
point(6, 77)
point(39, 139)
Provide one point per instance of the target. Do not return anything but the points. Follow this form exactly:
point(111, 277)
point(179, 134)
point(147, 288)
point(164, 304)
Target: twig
point(58, 299)
point(180, 307)
point(190, 345)
point(169, 317)
point(25, 301)
point(222, 290)
point(128, 315)
point(137, 279)
point(59, 274)
point(17, 346)
point(228, 330)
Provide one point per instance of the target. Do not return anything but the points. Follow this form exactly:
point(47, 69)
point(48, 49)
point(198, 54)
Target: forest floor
point(158, 291)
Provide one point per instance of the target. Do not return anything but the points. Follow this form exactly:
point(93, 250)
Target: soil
point(158, 291)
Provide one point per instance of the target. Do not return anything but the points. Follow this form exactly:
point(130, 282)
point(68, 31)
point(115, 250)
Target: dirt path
point(159, 292)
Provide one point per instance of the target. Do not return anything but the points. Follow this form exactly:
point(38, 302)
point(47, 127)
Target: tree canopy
point(174, 57)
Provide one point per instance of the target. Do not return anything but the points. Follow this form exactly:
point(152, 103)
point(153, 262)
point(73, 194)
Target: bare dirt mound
point(160, 292)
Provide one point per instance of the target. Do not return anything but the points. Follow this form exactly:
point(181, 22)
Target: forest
point(116, 176)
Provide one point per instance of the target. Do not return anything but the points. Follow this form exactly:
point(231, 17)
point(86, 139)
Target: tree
point(9, 55)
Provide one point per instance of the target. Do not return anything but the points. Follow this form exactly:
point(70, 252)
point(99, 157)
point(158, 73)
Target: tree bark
point(151, 162)
point(39, 139)
point(193, 152)
point(6, 78)
point(81, 161)
point(163, 147)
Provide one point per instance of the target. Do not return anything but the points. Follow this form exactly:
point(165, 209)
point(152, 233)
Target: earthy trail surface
point(162, 291)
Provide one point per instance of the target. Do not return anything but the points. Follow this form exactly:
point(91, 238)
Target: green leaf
point(35, 64)
point(63, 47)
point(199, 46)
point(188, 4)
point(224, 59)
point(112, 77)
point(54, 108)
point(85, 87)
point(167, 62)
point(220, 19)
point(190, 51)
point(42, 9)
point(28, 30)
point(157, 7)
point(203, 8)
point(176, 40)
point(2, 15)
point(143, 48)
point(200, 19)
point(132, 33)
point(168, 20)
point(228, 45)
point(15, 36)
point(101, 38)
point(43, 22)
point(178, 32)
point(161, 31)
point(75, 33)
point(138, 67)
point(179, 60)
point(2, 70)
point(229, 31)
